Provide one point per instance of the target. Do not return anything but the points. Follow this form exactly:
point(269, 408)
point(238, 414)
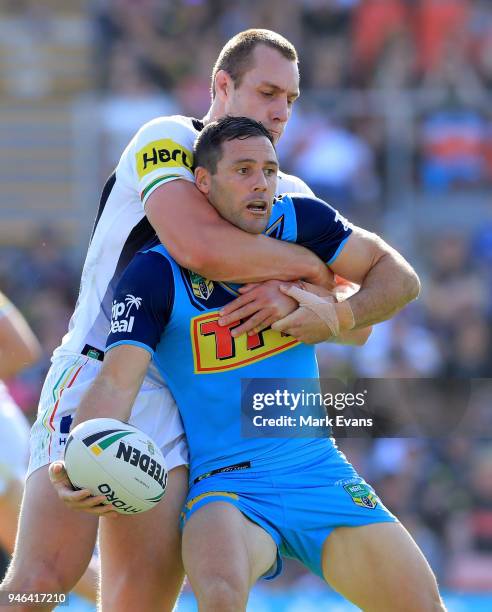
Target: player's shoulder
point(309, 210)
point(296, 201)
point(289, 213)
point(161, 145)
point(303, 201)
point(159, 256)
point(150, 271)
point(156, 251)
point(288, 183)
point(167, 131)
point(173, 122)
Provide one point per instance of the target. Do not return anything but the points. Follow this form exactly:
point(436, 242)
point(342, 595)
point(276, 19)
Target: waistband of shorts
point(236, 467)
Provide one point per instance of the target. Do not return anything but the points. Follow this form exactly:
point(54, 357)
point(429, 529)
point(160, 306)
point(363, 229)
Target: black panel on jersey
point(108, 187)
point(143, 301)
point(142, 236)
point(198, 124)
point(320, 228)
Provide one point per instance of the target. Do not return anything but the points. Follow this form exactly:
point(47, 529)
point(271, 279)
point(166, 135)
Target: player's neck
point(216, 111)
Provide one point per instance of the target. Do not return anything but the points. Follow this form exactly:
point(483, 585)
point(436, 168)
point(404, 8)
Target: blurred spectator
point(337, 163)
point(44, 281)
point(439, 25)
point(327, 69)
point(375, 23)
point(396, 67)
point(133, 100)
point(399, 348)
point(481, 254)
point(470, 355)
point(452, 149)
point(455, 291)
point(480, 31)
point(470, 567)
point(327, 18)
point(22, 34)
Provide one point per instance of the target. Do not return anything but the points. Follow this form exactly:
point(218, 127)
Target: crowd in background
point(337, 140)
point(154, 57)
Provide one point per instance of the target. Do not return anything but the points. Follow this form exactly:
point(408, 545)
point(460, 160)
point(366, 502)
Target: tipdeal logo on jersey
point(121, 321)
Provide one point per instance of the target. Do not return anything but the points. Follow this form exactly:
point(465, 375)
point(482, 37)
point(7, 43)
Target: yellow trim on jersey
point(229, 289)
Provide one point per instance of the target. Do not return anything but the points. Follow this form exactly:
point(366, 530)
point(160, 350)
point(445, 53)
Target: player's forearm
point(242, 257)
point(13, 362)
point(199, 239)
point(19, 347)
point(106, 398)
point(352, 337)
point(388, 286)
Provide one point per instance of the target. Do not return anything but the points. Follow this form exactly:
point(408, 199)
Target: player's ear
point(223, 85)
point(202, 179)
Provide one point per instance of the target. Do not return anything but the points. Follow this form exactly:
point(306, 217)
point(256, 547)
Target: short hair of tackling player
point(236, 57)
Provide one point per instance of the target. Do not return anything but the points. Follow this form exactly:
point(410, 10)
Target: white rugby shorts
point(154, 412)
point(14, 441)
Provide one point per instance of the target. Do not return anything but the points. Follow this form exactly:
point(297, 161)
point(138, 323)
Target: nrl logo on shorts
point(362, 495)
point(202, 287)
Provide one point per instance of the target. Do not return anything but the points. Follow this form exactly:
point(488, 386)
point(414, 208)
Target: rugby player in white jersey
point(256, 75)
point(19, 348)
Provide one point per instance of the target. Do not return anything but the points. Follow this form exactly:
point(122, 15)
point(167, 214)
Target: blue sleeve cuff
point(133, 342)
point(338, 251)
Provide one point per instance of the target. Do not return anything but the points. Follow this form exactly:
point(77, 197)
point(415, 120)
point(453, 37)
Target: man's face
point(267, 91)
point(243, 187)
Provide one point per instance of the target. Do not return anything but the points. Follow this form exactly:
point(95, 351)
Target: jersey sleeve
point(288, 183)
point(163, 152)
point(320, 228)
point(142, 302)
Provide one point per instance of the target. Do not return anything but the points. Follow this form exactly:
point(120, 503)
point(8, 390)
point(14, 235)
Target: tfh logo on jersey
point(215, 350)
point(122, 310)
point(163, 153)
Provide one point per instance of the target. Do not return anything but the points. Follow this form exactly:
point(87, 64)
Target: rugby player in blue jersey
point(253, 500)
point(152, 190)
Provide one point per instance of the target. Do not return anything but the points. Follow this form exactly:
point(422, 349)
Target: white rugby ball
point(117, 460)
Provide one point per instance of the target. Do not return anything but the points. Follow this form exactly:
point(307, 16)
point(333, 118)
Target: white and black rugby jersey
point(161, 151)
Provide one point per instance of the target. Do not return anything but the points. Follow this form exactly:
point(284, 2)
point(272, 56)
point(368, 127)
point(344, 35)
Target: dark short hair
point(207, 150)
point(236, 57)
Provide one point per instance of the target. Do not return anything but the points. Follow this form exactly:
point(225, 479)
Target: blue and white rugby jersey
point(172, 313)
point(160, 152)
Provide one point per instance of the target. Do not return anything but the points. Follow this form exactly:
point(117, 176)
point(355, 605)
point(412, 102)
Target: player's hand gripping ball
point(117, 460)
